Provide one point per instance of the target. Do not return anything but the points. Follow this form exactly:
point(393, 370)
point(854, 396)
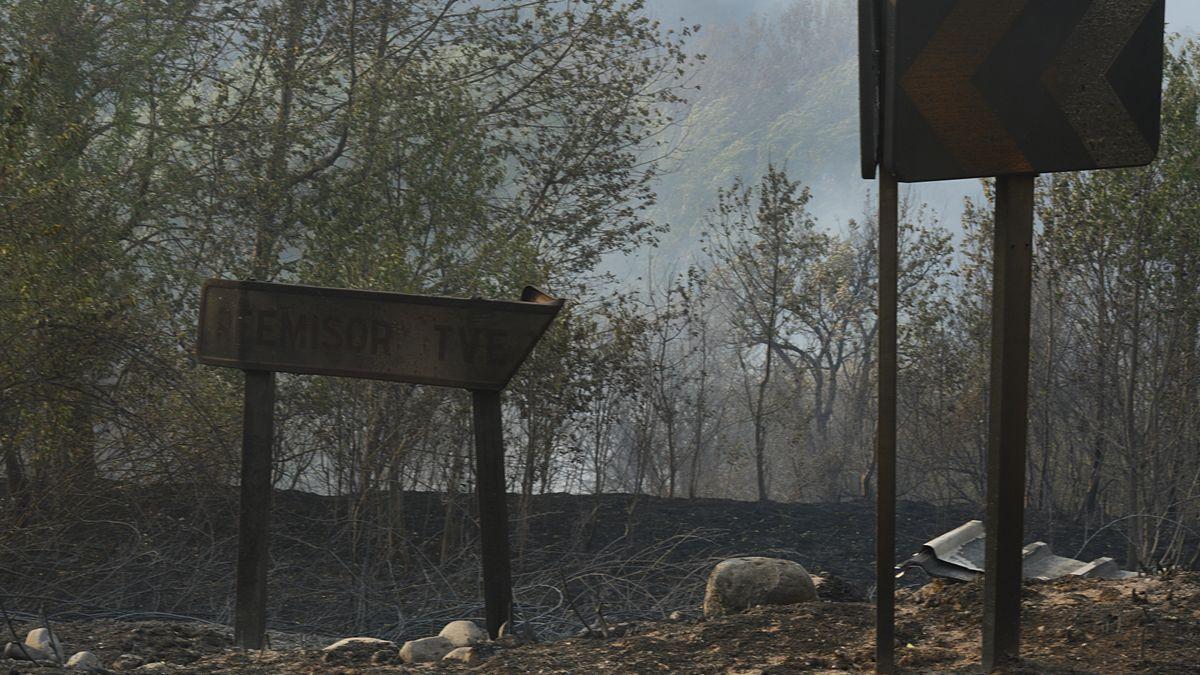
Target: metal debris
point(959, 554)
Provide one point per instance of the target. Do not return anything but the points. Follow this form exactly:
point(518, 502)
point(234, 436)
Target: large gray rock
point(425, 650)
point(464, 633)
point(740, 583)
point(45, 642)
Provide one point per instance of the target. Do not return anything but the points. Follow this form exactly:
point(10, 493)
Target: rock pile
point(43, 646)
point(458, 641)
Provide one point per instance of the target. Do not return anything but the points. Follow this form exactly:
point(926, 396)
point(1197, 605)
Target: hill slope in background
point(780, 85)
point(777, 86)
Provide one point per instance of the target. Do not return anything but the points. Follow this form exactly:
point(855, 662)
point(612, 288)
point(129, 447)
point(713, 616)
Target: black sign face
point(453, 342)
point(976, 88)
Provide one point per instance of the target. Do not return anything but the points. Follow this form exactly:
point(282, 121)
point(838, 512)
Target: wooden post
point(885, 431)
point(250, 621)
point(1007, 424)
point(493, 509)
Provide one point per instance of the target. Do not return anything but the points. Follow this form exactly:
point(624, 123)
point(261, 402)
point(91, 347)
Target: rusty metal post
point(885, 430)
point(493, 509)
point(250, 613)
point(1008, 421)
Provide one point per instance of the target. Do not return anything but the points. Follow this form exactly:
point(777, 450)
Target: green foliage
point(428, 147)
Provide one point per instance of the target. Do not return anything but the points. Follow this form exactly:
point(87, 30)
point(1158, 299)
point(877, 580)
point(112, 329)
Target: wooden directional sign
point(976, 88)
point(473, 344)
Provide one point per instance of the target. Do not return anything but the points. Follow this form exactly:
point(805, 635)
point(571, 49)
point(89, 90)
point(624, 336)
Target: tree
point(761, 239)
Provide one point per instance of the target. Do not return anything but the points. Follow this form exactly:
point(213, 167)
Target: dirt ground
point(1150, 624)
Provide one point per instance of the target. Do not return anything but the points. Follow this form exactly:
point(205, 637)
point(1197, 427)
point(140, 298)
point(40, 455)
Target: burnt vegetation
point(722, 405)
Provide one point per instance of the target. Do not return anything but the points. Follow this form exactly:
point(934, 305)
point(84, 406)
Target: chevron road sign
point(974, 88)
point(1006, 88)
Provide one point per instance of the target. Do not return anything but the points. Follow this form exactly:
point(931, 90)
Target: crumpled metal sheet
point(959, 554)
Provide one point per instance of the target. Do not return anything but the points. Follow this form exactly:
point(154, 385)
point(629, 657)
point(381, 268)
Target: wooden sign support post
point(493, 509)
point(1011, 293)
point(474, 344)
point(258, 422)
point(885, 431)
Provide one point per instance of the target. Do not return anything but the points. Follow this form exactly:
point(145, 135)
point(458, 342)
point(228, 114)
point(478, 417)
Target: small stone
point(425, 650)
point(359, 642)
point(607, 630)
point(85, 661)
point(463, 633)
point(127, 662)
point(465, 655)
point(15, 652)
point(384, 656)
point(158, 667)
point(678, 616)
point(44, 641)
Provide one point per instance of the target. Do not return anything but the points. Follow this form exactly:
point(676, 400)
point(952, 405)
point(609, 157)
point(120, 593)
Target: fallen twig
point(571, 603)
point(54, 648)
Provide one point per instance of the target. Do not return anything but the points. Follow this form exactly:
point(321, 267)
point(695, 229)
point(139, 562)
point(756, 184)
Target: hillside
point(777, 86)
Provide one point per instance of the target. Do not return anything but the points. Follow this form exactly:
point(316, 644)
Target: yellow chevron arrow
point(942, 91)
point(1078, 82)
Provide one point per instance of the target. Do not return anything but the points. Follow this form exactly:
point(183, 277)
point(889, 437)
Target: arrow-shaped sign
point(1078, 80)
point(939, 82)
point(453, 342)
point(997, 87)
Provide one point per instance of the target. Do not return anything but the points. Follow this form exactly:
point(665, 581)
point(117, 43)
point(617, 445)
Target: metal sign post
point(870, 75)
point(471, 344)
point(1006, 88)
point(1012, 271)
point(885, 432)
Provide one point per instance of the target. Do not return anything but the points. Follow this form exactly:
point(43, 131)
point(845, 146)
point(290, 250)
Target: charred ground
point(154, 569)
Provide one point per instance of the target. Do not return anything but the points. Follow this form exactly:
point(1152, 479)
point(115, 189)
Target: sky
point(1183, 16)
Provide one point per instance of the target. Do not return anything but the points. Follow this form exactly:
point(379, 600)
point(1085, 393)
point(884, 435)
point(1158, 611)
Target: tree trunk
point(451, 518)
point(1099, 442)
point(266, 236)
